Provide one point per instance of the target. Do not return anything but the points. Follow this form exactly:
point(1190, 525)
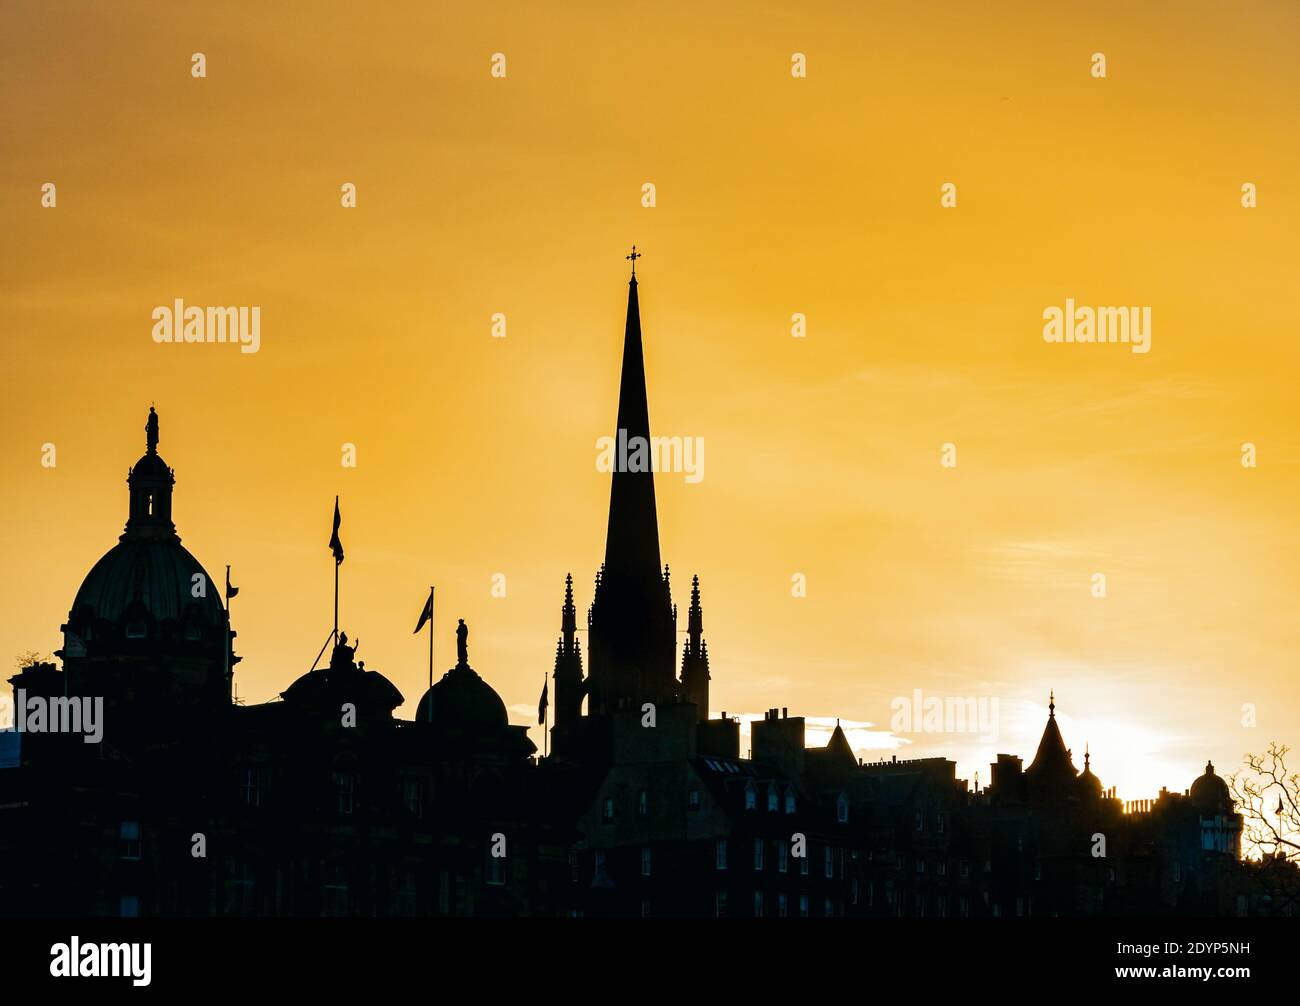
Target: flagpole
point(225, 649)
point(546, 722)
point(431, 650)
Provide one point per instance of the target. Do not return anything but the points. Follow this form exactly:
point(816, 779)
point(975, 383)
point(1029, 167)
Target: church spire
point(632, 637)
point(632, 537)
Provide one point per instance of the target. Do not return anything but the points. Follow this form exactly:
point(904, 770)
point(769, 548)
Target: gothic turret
point(695, 656)
point(569, 686)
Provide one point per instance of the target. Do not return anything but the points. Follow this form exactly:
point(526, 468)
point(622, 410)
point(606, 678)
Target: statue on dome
point(151, 431)
point(343, 655)
point(462, 646)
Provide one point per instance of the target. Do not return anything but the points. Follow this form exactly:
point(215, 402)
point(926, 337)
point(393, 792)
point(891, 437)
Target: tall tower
point(695, 656)
point(632, 624)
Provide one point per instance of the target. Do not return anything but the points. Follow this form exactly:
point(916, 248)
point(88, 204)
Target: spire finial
point(1051, 704)
point(632, 258)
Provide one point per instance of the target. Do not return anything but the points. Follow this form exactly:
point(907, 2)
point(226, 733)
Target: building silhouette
point(194, 804)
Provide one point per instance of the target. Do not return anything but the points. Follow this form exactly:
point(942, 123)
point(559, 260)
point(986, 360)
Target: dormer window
point(842, 809)
point(751, 796)
point(789, 801)
point(773, 799)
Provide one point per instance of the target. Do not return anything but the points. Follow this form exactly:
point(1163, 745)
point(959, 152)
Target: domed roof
point(158, 573)
point(149, 567)
point(1088, 782)
point(463, 702)
point(1210, 792)
point(344, 680)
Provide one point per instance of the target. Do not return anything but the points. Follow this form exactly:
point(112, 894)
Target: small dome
point(463, 702)
point(158, 573)
point(1210, 793)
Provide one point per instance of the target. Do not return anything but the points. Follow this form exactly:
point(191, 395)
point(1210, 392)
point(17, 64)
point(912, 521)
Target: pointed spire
point(632, 540)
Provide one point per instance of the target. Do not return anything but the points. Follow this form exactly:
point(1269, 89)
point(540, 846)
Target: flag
point(541, 706)
point(426, 613)
point(231, 590)
point(335, 545)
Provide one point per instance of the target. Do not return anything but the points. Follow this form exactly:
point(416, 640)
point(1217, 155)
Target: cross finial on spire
point(632, 258)
point(1051, 703)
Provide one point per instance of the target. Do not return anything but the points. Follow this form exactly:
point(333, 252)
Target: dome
point(158, 573)
point(1209, 792)
point(1089, 784)
point(462, 701)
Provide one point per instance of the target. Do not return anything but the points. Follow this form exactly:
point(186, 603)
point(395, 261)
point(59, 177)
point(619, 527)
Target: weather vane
point(632, 258)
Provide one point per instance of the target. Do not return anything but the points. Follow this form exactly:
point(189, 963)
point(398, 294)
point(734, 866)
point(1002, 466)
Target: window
point(693, 800)
point(238, 888)
point(965, 869)
point(413, 797)
point(645, 862)
point(782, 907)
point(250, 787)
point(782, 857)
point(720, 904)
point(334, 891)
point(645, 908)
point(828, 861)
point(128, 906)
point(608, 810)
point(920, 821)
point(854, 888)
point(722, 854)
point(1178, 872)
point(964, 906)
point(496, 870)
point(600, 862)
point(773, 799)
point(345, 784)
point(789, 801)
point(920, 866)
point(803, 906)
point(758, 854)
point(830, 908)
point(406, 893)
point(1038, 870)
point(129, 840)
point(642, 803)
point(803, 863)
point(758, 904)
point(751, 797)
point(943, 868)
point(842, 809)
point(939, 821)
point(136, 629)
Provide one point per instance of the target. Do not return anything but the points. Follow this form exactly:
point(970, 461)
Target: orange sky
point(775, 195)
